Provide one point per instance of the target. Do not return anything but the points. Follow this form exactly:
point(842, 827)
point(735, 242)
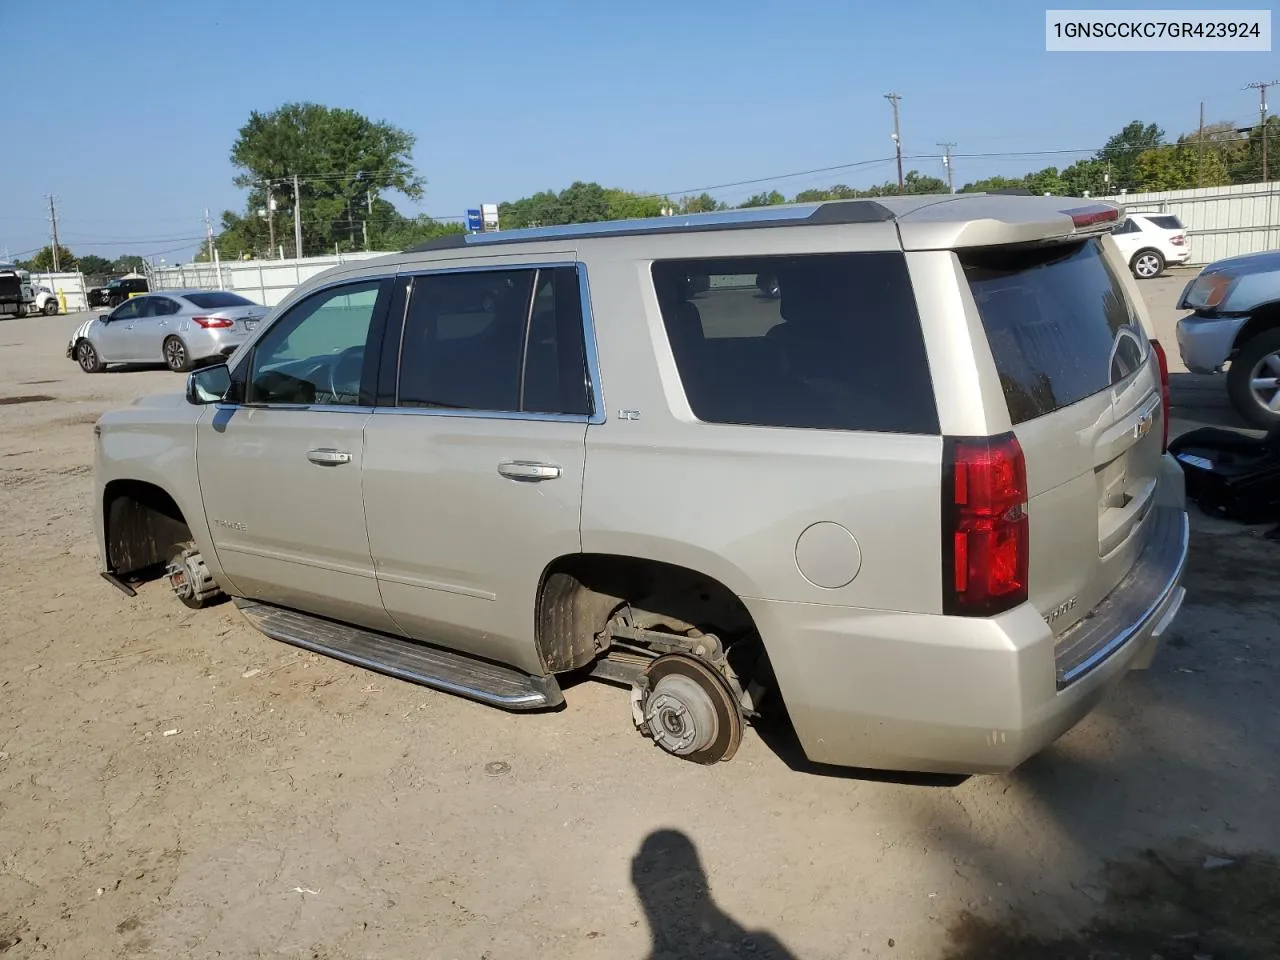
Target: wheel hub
point(685, 707)
point(1265, 382)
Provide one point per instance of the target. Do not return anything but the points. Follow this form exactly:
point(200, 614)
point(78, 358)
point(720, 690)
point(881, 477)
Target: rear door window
point(829, 341)
point(1058, 322)
point(495, 340)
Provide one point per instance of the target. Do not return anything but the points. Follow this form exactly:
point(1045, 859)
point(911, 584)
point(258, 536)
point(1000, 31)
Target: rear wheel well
point(141, 525)
point(580, 593)
point(1261, 318)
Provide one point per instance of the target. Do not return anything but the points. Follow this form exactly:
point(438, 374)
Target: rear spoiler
point(989, 220)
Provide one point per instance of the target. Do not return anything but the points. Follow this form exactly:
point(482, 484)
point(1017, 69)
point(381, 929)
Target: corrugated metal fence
point(69, 286)
point(1220, 221)
point(262, 281)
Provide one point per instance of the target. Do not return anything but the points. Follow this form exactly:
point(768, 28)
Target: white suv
point(1150, 242)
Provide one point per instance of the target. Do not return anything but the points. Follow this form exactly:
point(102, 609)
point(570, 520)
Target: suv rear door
point(474, 457)
point(1083, 390)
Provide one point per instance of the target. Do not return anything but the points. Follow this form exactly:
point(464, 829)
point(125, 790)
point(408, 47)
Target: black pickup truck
point(117, 291)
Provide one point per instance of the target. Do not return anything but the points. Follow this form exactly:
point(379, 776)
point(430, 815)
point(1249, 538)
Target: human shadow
point(684, 920)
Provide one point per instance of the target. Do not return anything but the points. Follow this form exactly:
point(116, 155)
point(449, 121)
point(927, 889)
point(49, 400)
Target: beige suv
point(896, 465)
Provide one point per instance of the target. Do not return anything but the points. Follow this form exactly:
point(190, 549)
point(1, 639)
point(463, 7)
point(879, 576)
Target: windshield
point(1058, 322)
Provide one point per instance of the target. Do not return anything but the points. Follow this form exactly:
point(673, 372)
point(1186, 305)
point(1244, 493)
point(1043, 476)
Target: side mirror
point(208, 384)
point(104, 317)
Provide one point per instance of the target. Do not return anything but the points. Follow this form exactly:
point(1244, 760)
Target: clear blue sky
point(130, 114)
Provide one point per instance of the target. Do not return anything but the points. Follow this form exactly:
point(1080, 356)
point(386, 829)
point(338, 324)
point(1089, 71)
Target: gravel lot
point(308, 809)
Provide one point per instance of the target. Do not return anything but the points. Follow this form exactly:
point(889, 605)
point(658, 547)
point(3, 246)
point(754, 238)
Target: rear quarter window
point(1058, 323)
point(830, 341)
point(1166, 222)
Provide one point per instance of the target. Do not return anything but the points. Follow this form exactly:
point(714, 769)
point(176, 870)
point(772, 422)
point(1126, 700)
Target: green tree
point(94, 265)
point(129, 263)
point(702, 203)
point(409, 232)
point(772, 198)
point(343, 160)
point(42, 262)
point(918, 183)
point(1120, 153)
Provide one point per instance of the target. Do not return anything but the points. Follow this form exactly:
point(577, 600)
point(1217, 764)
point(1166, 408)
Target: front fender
point(154, 442)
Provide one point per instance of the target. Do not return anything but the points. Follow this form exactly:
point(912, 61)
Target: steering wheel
point(345, 371)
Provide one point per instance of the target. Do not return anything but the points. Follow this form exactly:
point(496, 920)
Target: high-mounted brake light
point(985, 531)
point(1166, 400)
point(213, 323)
point(1092, 215)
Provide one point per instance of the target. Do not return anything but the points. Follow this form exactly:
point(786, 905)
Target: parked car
point(1235, 325)
point(177, 327)
point(921, 498)
point(1149, 242)
point(118, 291)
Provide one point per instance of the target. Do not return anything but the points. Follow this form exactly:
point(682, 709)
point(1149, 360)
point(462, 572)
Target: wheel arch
point(1263, 317)
point(141, 522)
point(578, 593)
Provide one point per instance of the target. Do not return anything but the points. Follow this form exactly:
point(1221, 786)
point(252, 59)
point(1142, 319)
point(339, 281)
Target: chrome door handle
point(328, 458)
point(526, 470)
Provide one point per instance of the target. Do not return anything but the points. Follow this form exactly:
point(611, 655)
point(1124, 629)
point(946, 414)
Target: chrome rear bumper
point(1140, 602)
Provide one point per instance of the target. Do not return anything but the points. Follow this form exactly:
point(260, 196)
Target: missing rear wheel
point(687, 709)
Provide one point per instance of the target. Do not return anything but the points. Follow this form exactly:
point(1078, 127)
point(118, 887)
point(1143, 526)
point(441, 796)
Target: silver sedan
point(178, 328)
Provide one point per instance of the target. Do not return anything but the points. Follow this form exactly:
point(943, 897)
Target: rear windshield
point(1166, 222)
point(1058, 322)
point(829, 341)
point(217, 298)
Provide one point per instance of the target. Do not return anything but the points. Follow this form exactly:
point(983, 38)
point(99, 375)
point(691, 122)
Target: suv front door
point(473, 470)
point(280, 466)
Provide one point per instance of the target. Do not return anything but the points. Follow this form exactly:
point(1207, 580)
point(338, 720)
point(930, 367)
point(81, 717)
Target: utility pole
point(53, 219)
point(893, 98)
point(297, 218)
point(946, 162)
point(368, 199)
point(271, 223)
point(1200, 152)
point(1261, 87)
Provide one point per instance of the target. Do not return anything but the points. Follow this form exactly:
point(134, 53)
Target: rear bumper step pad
point(1133, 604)
point(404, 659)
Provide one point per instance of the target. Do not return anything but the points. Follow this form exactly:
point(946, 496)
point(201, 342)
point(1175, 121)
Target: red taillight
point(985, 532)
point(214, 323)
point(1178, 240)
point(1095, 214)
point(1165, 399)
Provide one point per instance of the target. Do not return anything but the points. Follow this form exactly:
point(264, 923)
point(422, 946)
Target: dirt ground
point(173, 784)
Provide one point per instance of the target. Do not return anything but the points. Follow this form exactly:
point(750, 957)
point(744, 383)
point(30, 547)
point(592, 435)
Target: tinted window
point(217, 298)
point(1058, 323)
point(315, 353)
point(827, 341)
point(1129, 226)
point(159, 307)
point(469, 335)
point(127, 310)
point(1166, 222)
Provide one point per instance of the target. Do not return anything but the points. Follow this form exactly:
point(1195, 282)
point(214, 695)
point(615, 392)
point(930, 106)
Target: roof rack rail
point(824, 213)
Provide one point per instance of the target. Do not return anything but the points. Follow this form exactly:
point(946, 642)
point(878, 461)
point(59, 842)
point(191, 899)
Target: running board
point(404, 659)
